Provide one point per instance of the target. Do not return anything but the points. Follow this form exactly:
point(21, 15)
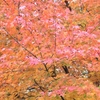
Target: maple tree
point(50, 49)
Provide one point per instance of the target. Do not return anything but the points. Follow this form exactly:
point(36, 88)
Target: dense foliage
point(49, 49)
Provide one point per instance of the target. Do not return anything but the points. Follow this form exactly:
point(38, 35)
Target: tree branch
point(6, 2)
point(41, 88)
point(26, 49)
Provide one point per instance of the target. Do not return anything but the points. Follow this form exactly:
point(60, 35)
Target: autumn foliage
point(49, 50)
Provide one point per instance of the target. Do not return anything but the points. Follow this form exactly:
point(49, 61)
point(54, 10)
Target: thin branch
point(26, 49)
point(18, 8)
point(40, 53)
point(41, 88)
point(65, 69)
point(62, 98)
point(6, 2)
point(67, 5)
point(21, 45)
